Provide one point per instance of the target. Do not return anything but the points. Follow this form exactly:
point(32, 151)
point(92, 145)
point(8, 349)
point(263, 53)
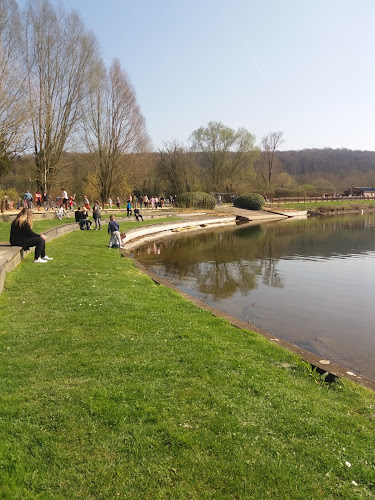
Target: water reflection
point(309, 281)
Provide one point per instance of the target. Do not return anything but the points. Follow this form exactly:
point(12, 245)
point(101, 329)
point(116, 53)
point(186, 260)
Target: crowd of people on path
point(68, 202)
point(21, 233)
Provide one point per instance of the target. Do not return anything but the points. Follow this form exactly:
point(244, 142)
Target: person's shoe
point(47, 258)
point(39, 260)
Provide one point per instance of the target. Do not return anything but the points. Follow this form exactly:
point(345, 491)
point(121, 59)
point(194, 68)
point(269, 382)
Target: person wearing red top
point(38, 200)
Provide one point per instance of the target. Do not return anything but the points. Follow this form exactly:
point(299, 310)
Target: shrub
point(252, 201)
point(195, 200)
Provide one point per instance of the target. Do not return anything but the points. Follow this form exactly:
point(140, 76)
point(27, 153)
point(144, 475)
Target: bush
point(195, 200)
point(252, 201)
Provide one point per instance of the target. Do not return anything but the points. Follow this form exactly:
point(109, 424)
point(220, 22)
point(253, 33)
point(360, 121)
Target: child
point(137, 214)
point(61, 212)
point(114, 231)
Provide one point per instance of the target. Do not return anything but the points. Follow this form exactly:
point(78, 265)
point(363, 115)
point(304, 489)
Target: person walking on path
point(22, 235)
point(38, 200)
point(97, 215)
point(28, 199)
point(114, 231)
point(45, 200)
point(64, 198)
point(118, 203)
point(128, 208)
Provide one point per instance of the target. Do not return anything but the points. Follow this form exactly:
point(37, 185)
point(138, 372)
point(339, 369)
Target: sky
point(306, 68)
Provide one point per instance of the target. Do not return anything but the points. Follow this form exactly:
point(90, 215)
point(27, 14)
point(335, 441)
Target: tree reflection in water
point(226, 261)
point(308, 281)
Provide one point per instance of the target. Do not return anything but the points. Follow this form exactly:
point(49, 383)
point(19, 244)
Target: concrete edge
point(138, 236)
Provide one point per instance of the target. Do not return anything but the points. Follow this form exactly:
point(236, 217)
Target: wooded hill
point(340, 167)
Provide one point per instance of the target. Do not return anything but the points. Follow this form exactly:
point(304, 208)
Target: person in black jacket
point(85, 220)
point(78, 216)
point(22, 235)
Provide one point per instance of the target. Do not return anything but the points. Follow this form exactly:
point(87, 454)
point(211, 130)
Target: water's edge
point(323, 365)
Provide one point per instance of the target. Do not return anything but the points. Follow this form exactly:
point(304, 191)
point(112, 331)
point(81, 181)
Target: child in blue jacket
point(114, 231)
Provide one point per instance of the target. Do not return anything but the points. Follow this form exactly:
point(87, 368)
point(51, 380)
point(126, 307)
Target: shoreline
point(322, 365)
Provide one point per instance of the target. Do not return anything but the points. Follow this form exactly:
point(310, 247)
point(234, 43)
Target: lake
point(310, 282)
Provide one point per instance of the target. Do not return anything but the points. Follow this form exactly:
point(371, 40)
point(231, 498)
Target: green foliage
point(228, 152)
point(253, 201)
point(11, 192)
point(195, 200)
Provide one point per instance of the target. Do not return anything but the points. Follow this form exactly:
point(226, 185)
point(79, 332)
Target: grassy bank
point(115, 387)
point(328, 206)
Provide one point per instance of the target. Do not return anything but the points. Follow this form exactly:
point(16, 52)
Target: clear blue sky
point(306, 67)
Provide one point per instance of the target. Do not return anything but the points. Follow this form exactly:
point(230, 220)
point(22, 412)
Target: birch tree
point(59, 53)
point(115, 131)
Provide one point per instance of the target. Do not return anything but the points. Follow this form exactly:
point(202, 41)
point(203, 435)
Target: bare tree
point(178, 166)
point(13, 115)
point(59, 53)
point(266, 164)
point(115, 131)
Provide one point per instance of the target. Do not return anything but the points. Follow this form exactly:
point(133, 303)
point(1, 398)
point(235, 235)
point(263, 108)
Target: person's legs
point(116, 235)
point(39, 243)
point(112, 240)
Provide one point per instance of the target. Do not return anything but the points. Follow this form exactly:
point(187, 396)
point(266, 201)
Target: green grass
point(115, 387)
point(326, 205)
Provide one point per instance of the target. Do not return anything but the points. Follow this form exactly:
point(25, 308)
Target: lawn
point(326, 206)
point(115, 387)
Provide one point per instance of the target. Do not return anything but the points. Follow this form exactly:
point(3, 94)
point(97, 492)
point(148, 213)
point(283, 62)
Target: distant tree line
point(330, 169)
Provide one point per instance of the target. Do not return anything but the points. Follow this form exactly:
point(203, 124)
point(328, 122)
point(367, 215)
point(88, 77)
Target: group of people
point(43, 200)
point(82, 216)
point(22, 233)
point(133, 202)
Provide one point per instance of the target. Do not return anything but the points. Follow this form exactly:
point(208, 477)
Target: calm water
point(310, 282)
